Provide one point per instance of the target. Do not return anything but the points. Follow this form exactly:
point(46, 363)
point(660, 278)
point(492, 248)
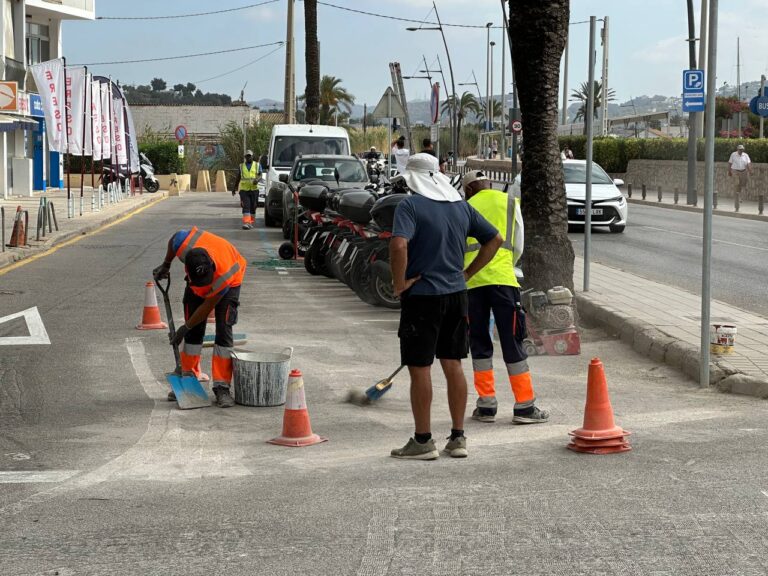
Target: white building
point(31, 33)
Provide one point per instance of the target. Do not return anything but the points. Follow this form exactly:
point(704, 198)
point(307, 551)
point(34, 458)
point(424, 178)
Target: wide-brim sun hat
point(422, 175)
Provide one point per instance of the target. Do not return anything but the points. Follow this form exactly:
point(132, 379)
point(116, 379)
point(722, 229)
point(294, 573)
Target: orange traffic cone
point(150, 319)
point(599, 433)
point(297, 430)
point(19, 234)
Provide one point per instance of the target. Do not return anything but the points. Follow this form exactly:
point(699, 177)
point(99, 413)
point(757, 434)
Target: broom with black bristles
point(373, 393)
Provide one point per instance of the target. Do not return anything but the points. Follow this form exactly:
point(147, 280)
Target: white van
point(288, 141)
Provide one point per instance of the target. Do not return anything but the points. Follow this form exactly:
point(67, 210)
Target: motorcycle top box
point(313, 197)
point(355, 205)
point(383, 211)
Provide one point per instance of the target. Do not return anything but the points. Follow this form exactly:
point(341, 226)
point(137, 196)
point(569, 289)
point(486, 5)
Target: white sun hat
point(423, 176)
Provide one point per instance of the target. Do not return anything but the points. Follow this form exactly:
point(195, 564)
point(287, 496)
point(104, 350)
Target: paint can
point(722, 338)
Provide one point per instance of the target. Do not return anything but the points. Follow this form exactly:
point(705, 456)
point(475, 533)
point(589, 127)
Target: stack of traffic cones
point(19, 234)
point(297, 430)
point(150, 318)
point(599, 434)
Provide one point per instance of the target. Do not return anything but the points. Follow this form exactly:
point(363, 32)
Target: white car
point(261, 187)
point(609, 207)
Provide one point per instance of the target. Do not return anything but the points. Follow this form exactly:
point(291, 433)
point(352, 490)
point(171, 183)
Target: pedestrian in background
point(247, 181)
point(427, 262)
point(428, 148)
point(496, 289)
point(214, 272)
point(740, 163)
point(494, 149)
point(401, 154)
point(567, 152)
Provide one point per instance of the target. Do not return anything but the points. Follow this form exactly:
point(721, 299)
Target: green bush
point(164, 156)
point(614, 154)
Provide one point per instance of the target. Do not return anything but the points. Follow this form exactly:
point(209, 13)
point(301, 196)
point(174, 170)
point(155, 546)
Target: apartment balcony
point(62, 9)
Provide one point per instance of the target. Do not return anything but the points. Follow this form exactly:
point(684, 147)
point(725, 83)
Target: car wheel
point(617, 228)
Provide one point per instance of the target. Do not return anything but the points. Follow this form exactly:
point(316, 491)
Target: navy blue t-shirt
point(437, 235)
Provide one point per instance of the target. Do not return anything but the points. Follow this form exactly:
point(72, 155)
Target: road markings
point(379, 542)
point(35, 476)
point(714, 240)
point(37, 333)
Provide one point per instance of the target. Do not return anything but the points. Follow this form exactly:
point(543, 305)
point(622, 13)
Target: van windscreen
point(287, 148)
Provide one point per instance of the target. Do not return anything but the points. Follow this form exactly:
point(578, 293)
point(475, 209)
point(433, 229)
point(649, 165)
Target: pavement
point(100, 475)
point(92, 218)
point(748, 209)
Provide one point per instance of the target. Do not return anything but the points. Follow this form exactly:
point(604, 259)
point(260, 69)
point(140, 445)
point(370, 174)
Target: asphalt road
point(665, 245)
point(112, 479)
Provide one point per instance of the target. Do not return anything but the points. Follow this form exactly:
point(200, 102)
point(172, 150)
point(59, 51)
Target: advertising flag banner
point(88, 116)
point(106, 122)
point(118, 131)
point(49, 77)
point(95, 97)
point(77, 77)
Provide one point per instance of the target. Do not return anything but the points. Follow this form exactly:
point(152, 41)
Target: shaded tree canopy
point(157, 93)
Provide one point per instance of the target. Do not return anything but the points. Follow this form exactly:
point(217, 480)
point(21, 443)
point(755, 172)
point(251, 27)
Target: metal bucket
point(722, 338)
point(261, 378)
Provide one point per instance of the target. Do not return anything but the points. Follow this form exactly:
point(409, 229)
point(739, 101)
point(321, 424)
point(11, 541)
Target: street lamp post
point(487, 73)
point(439, 28)
point(491, 114)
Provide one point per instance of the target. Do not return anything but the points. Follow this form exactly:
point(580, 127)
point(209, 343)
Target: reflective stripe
point(193, 349)
point(473, 248)
point(222, 280)
point(514, 368)
point(487, 402)
point(482, 364)
point(511, 225)
point(191, 244)
point(222, 351)
point(528, 404)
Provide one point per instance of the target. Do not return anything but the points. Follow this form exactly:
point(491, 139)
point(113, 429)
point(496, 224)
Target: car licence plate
point(595, 211)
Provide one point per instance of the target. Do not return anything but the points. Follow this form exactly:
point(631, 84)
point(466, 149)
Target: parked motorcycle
point(112, 173)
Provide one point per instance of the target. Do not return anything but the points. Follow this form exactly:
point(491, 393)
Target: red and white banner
point(95, 98)
point(118, 131)
point(77, 78)
point(106, 122)
point(49, 77)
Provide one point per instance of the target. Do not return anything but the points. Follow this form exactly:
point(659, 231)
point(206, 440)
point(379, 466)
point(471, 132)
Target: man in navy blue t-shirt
point(427, 260)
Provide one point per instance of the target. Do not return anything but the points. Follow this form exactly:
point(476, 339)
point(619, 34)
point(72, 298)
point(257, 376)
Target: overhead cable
point(280, 43)
point(186, 15)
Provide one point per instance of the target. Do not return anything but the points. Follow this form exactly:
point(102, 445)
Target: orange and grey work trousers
point(509, 316)
point(249, 200)
point(226, 317)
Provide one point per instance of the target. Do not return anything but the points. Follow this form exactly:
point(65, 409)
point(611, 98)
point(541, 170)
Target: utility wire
point(186, 15)
point(240, 67)
point(180, 57)
point(411, 20)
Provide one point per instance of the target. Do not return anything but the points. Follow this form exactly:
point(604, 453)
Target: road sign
point(517, 126)
point(389, 106)
point(9, 96)
point(181, 150)
point(759, 104)
point(180, 133)
point(434, 102)
point(693, 91)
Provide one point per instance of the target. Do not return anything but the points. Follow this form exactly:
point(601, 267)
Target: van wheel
point(269, 222)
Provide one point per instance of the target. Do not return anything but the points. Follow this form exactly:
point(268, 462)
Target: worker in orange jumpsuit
point(215, 271)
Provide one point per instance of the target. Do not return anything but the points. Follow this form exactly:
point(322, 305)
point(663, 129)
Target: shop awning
point(11, 123)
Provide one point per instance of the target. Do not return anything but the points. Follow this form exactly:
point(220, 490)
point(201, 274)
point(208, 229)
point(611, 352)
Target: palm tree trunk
point(538, 31)
point(312, 56)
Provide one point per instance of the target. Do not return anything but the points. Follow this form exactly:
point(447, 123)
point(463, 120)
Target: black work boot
point(223, 397)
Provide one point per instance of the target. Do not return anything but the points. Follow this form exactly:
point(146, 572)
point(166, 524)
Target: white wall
point(197, 119)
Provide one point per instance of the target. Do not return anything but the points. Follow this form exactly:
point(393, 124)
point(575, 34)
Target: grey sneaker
point(247, 226)
point(484, 415)
point(223, 397)
point(456, 448)
point(535, 417)
point(415, 451)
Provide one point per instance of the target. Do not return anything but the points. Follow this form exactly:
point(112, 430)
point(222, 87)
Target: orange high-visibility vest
point(230, 265)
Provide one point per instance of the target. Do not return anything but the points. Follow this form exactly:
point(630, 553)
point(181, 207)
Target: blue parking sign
point(693, 91)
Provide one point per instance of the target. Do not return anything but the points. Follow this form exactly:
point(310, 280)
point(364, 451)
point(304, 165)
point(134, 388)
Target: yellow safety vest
point(503, 212)
point(247, 177)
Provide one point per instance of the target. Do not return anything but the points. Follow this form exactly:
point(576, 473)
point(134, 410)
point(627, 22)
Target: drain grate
point(275, 263)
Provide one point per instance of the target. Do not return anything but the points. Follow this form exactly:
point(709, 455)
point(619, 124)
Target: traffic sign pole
point(589, 119)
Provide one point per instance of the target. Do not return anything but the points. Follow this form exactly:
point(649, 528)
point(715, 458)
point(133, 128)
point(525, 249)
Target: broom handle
point(396, 372)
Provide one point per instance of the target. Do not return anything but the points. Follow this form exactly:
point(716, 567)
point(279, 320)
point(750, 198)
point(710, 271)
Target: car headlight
point(618, 199)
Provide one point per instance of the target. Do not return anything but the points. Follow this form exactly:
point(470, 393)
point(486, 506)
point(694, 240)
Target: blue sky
point(647, 47)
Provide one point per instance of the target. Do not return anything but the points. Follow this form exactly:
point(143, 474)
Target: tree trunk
point(538, 32)
point(312, 56)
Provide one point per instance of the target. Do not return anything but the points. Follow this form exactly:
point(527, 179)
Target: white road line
point(715, 240)
point(35, 476)
point(152, 388)
point(379, 542)
point(37, 333)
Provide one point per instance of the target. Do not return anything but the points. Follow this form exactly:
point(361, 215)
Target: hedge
point(164, 157)
point(614, 154)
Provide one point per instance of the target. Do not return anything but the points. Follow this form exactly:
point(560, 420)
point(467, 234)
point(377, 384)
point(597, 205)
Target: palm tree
point(312, 58)
point(467, 104)
point(333, 99)
point(495, 112)
point(582, 94)
point(538, 31)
